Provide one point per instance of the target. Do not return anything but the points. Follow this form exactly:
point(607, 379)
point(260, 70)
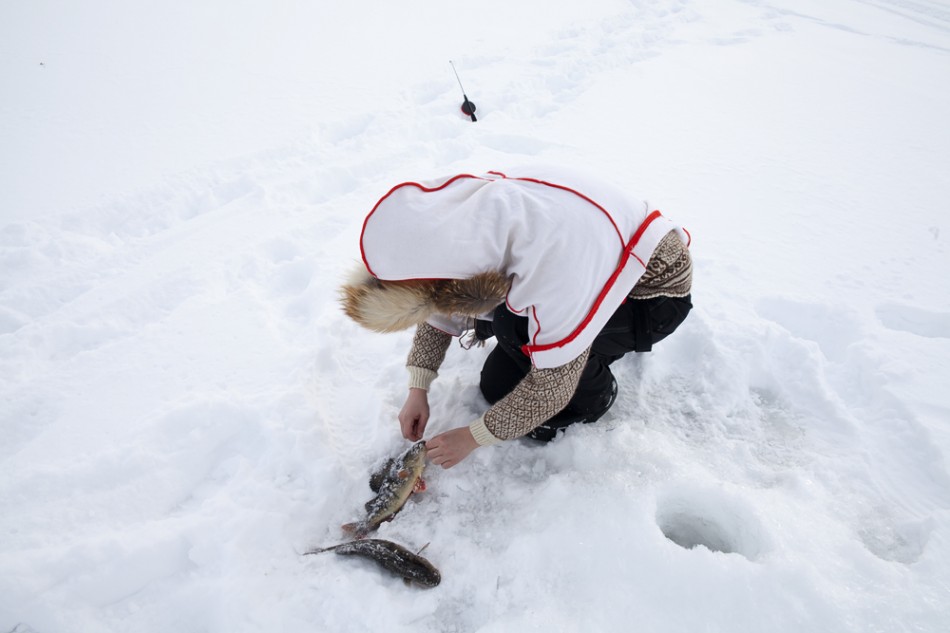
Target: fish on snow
point(393, 557)
point(393, 484)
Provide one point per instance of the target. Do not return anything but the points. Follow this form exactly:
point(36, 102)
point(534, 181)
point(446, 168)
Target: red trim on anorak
point(568, 189)
point(627, 250)
point(391, 192)
point(627, 254)
point(534, 313)
point(511, 308)
point(494, 173)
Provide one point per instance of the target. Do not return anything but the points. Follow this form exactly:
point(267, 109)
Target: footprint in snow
point(834, 329)
point(917, 321)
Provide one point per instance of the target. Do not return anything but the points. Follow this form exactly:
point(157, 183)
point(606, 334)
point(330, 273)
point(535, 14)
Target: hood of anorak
point(566, 249)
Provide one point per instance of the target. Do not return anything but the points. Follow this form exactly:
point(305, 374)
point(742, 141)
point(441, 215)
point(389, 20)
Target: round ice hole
point(711, 519)
point(690, 530)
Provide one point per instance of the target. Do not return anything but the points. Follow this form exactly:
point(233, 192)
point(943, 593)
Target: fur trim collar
point(390, 306)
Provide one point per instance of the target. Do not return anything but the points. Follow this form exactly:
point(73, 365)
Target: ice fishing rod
point(467, 106)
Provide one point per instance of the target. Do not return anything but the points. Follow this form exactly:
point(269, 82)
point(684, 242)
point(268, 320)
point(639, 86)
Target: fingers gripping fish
point(393, 485)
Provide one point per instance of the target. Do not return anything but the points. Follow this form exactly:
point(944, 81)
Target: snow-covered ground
point(184, 409)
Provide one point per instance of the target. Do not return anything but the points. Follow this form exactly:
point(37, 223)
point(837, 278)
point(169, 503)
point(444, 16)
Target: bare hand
point(449, 448)
point(414, 415)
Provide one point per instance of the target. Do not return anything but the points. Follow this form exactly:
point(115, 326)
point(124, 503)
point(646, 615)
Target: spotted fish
point(392, 557)
point(393, 485)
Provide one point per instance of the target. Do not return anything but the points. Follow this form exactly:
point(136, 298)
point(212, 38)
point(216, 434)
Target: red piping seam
point(689, 238)
point(498, 173)
point(576, 193)
point(526, 349)
point(511, 308)
point(534, 313)
point(628, 252)
point(391, 192)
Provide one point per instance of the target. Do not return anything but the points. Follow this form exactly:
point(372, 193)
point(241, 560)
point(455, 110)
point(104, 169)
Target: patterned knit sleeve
point(426, 355)
point(669, 271)
point(536, 399)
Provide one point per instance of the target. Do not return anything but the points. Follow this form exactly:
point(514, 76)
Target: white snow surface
point(184, 409)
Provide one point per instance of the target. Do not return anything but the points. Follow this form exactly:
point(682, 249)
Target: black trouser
point(634, 327)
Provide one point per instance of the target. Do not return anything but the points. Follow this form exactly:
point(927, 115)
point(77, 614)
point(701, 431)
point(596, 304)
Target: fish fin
point(319, 550)
point(403, 473)
point(420, 485)
point(407, 582)
point(377, 479)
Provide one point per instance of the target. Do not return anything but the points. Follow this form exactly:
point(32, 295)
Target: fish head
point(415, 457)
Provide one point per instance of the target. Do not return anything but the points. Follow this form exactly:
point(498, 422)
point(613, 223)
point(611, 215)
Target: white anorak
point(572, 245)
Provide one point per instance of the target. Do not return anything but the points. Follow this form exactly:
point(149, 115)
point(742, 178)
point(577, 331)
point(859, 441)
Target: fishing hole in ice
point(718, 521)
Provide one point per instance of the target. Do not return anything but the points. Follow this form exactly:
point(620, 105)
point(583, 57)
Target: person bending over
point(567, 272)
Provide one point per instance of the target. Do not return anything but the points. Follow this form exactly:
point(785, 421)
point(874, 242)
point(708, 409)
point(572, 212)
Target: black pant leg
point(506, 365)
point(500, 374)
point(635, 326)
